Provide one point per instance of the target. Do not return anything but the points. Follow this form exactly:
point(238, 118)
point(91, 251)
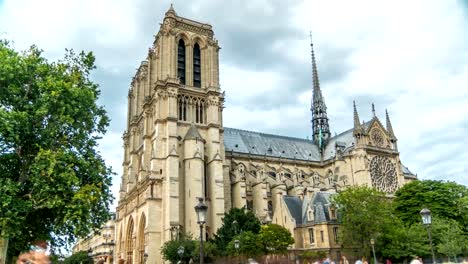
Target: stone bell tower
point(173, 142)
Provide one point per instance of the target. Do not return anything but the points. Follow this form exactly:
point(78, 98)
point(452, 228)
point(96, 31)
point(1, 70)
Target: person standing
point(364, 260)
point(344, 260)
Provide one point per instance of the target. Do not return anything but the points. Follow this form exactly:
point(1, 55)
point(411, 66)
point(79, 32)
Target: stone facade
point(100, 245)
point(177, 149)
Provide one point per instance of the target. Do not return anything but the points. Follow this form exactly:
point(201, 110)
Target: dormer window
point(332, 212)
point(181, 61)
point(196, 66)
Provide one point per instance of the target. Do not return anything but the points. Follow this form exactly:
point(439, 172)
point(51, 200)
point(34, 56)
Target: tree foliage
point(54, 184)
point(444, 199)
point(364, 214)
point(275, 239)
point(250, 245)
point(400, 241)
point(80, 257)
point(236, 221)
point(449, 237)
point(170, 250)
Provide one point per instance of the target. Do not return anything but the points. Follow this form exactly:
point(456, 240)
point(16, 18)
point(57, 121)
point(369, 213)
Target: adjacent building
point(177, 149)
point(100, 246)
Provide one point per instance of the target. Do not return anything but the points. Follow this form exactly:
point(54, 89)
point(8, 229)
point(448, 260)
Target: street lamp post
point(234, 224)
point(236, 246)
point(90, 254)
point(201, 210)
point(372, 242)
point(427, 220)
point(180, 252)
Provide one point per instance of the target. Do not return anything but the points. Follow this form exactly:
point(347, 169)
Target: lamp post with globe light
point(201, 210)
point(427, 221)
point(236, 246)
point(180, 252)
point(372, 242)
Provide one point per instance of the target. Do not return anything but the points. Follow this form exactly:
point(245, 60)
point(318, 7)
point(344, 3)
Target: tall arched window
point(129, 242)
point(196, 66)
point(181, 61)
point(141, 238)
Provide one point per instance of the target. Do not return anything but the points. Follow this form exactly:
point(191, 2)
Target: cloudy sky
point(410, 57)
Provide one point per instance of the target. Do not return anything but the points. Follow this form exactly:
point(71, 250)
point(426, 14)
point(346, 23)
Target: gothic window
point(199, 111)
point(332, 213)
point(205, 178)
point(270, 208)
point(272, 174)
point(182, 108)
point(322, 238)
point(196, 66)
point(335, 234)
point(129, 242)
point(249, 205)
point(383, 174)
point(311, 236)
point(141, 237)
point(181, 61)
point(287, 175)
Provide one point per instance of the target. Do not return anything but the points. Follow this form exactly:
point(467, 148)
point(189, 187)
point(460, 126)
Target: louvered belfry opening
point(196, 66)
point(181, 61)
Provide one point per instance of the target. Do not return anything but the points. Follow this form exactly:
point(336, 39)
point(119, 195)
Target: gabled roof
point(319, 203)
point(406, 171)
point(255, 143)
point(193, 133)
point(294, 205)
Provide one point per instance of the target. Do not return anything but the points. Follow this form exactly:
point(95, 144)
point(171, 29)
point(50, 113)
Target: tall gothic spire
point(389, 126)
point(356, 116)
point(320, 127)
point(358, 130)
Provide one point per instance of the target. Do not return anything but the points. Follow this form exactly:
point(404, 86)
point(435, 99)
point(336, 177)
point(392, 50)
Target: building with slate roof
point(177, 149)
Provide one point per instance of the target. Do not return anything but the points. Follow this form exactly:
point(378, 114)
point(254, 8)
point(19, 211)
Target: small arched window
point(196, 66)
point(181, 61)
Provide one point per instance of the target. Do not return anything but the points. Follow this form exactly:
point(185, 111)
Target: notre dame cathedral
point(177, 149)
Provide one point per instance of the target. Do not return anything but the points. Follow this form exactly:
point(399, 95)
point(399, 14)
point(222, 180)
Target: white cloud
point(407, 56)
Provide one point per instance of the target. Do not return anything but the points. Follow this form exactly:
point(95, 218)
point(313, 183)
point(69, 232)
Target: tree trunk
point(3, 250)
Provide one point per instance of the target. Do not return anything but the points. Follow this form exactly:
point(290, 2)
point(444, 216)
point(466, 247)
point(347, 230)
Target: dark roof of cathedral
point(249, 142)
point(345, 139)
point(406, 171)
point(319, 203)
point(294, 205)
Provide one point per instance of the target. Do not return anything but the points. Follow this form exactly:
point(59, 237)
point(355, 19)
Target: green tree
point(54, 185)
point(444, 199)
point(170, 249)
point(399, 241)
point(312, 256)
point(250, 245)
point(210, 251)
point(364, 214)
point(449, 237)
point(80, 257)
point(275, 238)
point(236, 221)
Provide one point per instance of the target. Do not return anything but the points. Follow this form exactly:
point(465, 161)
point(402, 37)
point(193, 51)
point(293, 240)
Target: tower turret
point(390, 132)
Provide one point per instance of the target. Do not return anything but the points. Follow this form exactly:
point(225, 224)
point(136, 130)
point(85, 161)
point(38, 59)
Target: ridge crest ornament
point(383, 174)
